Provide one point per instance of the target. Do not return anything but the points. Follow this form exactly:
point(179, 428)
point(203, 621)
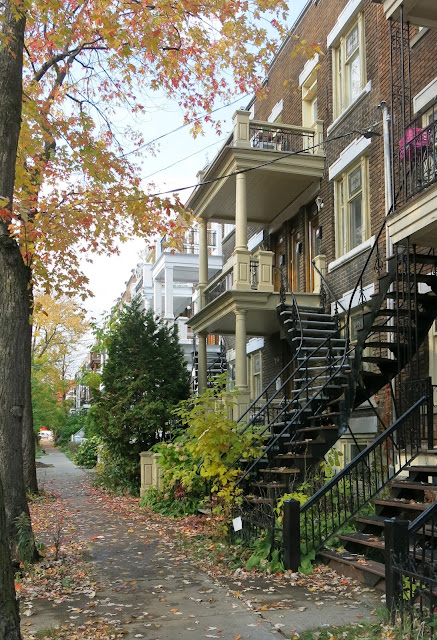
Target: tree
point(13, 273)
point(144, 379)
point(79, 190)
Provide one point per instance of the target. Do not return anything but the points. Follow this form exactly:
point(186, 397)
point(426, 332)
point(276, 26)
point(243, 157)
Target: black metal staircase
point(216, 365)
point(330, 375)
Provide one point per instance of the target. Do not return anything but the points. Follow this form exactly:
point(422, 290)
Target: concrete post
point(240, 212)
point(168, 293)
point(320, 264)
point(203, 261)
point(202, 362)
point(241, 129)
point(240, 351)
point(157, 298)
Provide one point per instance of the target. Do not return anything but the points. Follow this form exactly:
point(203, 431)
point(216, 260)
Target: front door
point(314, 243)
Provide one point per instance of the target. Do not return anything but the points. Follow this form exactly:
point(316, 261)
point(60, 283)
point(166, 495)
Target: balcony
point(415, 176)
point(281, 163)
point(419, 12)
point(245, 284)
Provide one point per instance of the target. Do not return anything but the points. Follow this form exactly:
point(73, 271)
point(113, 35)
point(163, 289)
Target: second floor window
point(349, 67)
point(352, 226)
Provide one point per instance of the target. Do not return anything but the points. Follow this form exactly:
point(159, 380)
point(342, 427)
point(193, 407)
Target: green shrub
point(86, 455)
point(171, 503)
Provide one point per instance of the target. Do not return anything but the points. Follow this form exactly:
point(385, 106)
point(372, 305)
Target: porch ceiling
point(274, 180)
point(420, 12)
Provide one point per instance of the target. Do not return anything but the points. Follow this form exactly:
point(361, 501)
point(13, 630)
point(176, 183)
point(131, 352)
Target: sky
point(179, 157)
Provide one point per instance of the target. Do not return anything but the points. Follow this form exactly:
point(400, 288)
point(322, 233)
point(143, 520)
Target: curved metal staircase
point(304, 411)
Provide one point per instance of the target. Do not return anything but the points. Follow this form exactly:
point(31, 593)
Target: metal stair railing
point(410, 569)
point(332, 370)
point(267, 401)
point(332, 506)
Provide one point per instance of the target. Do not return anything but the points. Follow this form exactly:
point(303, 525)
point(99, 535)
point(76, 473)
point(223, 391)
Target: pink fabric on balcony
point(415, 138)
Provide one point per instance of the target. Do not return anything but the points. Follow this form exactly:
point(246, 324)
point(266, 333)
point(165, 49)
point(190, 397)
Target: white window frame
point(309, 101)
point(343, 63)
point(255, 373)
point(344, 199)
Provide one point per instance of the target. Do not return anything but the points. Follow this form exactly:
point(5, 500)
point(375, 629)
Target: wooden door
point(314, 243)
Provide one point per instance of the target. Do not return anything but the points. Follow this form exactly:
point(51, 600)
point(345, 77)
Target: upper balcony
point(422, 13)
point(415, 180)
point(279, 162)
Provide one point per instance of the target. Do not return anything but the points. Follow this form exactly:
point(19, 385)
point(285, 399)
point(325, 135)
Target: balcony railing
point(281, 138)
point(219, 286)
point(415, 157)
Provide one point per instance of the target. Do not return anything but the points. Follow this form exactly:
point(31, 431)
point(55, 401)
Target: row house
point(327, 294)
point(164, 284)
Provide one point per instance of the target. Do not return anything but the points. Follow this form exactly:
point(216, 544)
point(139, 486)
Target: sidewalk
point(146, 588)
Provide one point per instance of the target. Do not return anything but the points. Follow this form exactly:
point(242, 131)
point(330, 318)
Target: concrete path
point(147, 589)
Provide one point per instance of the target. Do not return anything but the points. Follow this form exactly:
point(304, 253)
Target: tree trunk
point(14, 301)
point(29, 467)
point(9, 619)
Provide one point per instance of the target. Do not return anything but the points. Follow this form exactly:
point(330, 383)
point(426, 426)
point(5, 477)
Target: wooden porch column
point(202, 362)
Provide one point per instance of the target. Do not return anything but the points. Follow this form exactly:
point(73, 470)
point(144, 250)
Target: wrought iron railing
point(410, 570)
point(416, 156)
point(276, 138)
point(330, 508)
point(219, 286)
point(274, 397)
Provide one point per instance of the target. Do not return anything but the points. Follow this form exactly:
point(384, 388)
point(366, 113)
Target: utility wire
point(182, 126)
point(366, 134)
point(182, 159)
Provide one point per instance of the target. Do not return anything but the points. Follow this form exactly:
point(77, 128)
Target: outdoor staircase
point(216, 366)
point(362, 554)
point(331, 377)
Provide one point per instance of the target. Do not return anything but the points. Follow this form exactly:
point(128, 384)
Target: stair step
point(331, 414)
point(366, 539)
point(377, 521)
point(319, 341)
point(320, 428)
point(423, 468)
point(425, 259)
point(316, 317)
point(293, 456)
point(395, 312)
point(402, 504)
point(259, 500)
point(379, 360)
point(381, 344)
point(280, 471)
point(411, 484)
point(356, 561)
point(269, 485)
point(389, 328)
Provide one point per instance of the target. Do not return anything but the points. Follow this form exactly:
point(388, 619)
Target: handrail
point(351, 488)
point(422, 519)
point(285, 288)
point(297, 414)
point(326, 284)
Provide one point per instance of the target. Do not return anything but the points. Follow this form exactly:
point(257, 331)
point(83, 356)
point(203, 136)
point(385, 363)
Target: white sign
point(238, 523)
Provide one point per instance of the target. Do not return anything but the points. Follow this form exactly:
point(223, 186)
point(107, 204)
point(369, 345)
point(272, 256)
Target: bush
point(86, 455)
point(171, 503)
point(116, 473)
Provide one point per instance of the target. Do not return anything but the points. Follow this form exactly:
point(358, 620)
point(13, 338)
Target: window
point(255, 374)
point(349, 67)
point(309, 101)
point(352, 211)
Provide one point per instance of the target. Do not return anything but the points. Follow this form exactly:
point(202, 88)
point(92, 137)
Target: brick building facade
point(328, 91)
